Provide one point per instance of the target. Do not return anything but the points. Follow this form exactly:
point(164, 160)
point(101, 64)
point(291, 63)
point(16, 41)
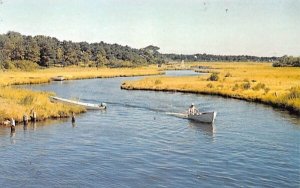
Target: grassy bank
point(71, 73)
point(17, 102)
point(259, 82)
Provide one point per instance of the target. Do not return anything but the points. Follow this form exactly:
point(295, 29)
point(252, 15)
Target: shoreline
point(248, 81)
point(255, 100)
point(35, 77)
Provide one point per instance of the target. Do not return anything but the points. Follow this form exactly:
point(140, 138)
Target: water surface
point(136, 144)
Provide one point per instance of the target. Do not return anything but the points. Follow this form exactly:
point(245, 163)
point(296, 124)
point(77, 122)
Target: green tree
point(18, 50)
point(101, 60)
point(6, 48)
point(32, 50)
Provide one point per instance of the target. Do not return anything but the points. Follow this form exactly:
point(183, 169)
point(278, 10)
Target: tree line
point(49, 51)
point(19, 51)
point(210, 57)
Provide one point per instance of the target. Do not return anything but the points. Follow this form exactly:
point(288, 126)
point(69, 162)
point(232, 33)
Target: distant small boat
point(204, 117)
point(88, 106)
point(58, 78)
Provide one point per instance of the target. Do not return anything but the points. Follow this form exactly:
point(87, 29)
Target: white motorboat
point(88, 106)
point(204, 117)
point(58, 78)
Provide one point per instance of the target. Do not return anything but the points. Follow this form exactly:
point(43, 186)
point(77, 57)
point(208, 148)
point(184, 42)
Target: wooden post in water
point(25, 119)
point(73, 117)
point(33, 116)
point(12, 125)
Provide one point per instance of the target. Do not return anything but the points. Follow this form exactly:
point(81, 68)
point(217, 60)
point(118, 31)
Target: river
point(135, 143)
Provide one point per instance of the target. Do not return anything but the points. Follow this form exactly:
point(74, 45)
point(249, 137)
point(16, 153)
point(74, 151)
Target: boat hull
point(58, 78)
point(205, 117)
point(87, 106)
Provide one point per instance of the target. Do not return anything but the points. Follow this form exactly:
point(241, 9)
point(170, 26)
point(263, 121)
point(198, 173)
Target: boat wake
point(179, 115)
point(135, 106)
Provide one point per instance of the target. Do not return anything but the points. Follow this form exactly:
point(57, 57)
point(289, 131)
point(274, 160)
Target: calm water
point(136, 144)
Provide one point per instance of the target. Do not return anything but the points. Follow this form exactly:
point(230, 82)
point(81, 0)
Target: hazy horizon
point(228, 27)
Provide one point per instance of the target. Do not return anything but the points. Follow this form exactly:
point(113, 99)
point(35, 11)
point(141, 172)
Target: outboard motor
point(103, 105)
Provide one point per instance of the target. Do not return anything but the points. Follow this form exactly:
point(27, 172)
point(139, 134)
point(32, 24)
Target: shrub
point(267, 89)
point(213, 77)
point(9, 65)
point(209, 85)
point(294, 93)
point(26, 65)
point(228, 74)
point(235, 87)
point(259, 86)
point(157, 82)
point(246, 85)
point(20, 64)
point(287, 61)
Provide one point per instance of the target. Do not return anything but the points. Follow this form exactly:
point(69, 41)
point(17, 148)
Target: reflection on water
point(25, 126)
point(12, 136)
point(204, 128)
point(33, 125)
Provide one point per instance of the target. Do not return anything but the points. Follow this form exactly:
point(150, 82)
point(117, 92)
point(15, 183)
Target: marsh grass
point(258, 82)
point(17, 102)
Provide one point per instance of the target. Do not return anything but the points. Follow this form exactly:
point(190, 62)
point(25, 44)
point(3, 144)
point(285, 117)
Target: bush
point(246, 85)
point(157, 82)
point(213, 77)
point(267, 89)
point(9, 65)
point(228, 74)
point(235, 87)
point(287, 61)
point(20, 64)
point(209, 85)
point(26, 65)
point(259, 86)
point(294, 93)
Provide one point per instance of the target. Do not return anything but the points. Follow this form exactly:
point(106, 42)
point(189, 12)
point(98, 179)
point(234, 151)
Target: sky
point(227, 27)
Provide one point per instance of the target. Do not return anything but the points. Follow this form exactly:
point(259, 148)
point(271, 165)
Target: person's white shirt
point(192, 110)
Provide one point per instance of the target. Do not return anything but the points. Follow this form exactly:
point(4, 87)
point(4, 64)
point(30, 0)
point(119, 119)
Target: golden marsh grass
point(17, 102)
point(258, 82)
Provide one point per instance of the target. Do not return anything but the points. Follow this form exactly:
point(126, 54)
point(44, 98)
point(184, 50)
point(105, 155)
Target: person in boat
point(193, 110)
